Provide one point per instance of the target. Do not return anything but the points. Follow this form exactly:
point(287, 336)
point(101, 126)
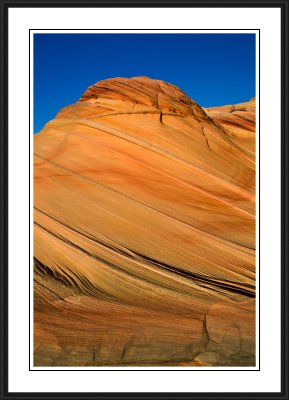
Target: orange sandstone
point(144, 230)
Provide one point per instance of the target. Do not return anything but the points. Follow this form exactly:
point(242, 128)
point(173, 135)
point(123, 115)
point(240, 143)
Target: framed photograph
point(144, 199)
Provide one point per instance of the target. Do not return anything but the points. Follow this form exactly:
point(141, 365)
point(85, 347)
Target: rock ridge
point(144, 91)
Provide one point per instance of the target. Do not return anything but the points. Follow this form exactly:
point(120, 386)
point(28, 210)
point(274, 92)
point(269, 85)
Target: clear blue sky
point(213, 69)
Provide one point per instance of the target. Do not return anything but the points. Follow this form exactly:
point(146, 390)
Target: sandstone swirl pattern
point(144, 230)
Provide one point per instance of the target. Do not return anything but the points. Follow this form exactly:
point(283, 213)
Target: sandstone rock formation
point(144, 230)
point(239, 122)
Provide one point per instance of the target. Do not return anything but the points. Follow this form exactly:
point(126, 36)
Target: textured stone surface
point(144, 230)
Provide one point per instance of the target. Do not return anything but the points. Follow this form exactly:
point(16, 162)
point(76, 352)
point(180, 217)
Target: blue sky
point(213, 69)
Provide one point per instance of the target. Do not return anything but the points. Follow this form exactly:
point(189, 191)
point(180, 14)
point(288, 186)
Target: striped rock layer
point(144, 230)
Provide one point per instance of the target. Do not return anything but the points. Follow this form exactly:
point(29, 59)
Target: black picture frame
point(4, 224)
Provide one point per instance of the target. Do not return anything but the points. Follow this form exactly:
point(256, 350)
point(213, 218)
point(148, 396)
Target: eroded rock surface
point(144, 230)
